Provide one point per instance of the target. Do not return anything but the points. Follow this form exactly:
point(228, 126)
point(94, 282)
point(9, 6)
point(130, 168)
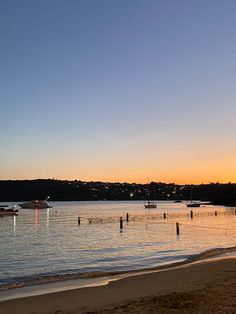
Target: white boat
point(193, 204)
point(40, 204)
point(150, 204)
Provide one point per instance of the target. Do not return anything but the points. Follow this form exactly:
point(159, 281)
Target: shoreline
point(58, 283)
point(188, 278)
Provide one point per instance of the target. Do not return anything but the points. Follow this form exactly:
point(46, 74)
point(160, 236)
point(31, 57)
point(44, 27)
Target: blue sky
point(118, 90)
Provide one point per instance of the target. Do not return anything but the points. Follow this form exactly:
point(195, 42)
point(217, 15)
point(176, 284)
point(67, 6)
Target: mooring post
point(164, 215)
point(78, 220)
point(127, 217)
point(191, 214)
point(177, 228)
point(215, 213)
point(121, 223)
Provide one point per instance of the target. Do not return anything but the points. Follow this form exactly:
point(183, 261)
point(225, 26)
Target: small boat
point(40, 204)
point(150, 204)
point(8, 211)
point(193, 205)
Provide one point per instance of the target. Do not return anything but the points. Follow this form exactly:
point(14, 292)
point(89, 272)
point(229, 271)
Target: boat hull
point(150, 206)
point(193, 205)
point(35, 204)
point(8, 212)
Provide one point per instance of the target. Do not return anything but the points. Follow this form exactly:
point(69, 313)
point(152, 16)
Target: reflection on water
point(48, 216)
point(14, 225)
point(60, 246)
point(36, 215)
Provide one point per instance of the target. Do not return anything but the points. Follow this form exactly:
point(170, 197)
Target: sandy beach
point(208, 287)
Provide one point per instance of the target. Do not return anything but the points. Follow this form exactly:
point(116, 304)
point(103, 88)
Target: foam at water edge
point(210, 253)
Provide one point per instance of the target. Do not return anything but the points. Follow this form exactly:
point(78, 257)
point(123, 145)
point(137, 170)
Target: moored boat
point(40, 204)
point(193, 205)
point(150, 204)
point(8, 211)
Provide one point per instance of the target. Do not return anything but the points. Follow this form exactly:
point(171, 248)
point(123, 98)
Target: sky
point(117, 90)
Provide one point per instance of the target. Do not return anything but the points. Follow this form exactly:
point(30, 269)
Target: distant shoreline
point(217, 203)
point(64, 190)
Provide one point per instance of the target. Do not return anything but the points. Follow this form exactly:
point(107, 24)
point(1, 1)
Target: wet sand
point(209, 287)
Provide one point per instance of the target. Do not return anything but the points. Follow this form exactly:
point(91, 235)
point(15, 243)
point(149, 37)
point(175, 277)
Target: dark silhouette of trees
point(64, 190)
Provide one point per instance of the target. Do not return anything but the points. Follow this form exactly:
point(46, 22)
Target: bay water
point(48, 245)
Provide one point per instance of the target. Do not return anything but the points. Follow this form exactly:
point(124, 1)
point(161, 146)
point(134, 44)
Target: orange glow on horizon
point(196, 170)
point(138, 180)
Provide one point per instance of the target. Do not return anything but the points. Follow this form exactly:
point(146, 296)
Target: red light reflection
point(36, 215)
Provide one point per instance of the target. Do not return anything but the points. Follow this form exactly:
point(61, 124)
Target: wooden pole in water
point(78, 220)
point(127, 217)
point(191, 214)
point(164, 215)
point(215, 213)
point(121, 223)
point(177, 228)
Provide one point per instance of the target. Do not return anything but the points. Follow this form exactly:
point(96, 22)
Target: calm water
point(50, 242)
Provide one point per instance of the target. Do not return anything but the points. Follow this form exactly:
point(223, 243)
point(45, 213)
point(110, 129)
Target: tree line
point(76, 190)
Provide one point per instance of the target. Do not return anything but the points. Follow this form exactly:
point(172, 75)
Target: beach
point(205, 287)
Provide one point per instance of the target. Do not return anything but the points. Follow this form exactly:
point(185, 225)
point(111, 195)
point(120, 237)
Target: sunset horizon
point(117, 163)
point(129, 181)
point(118, 91)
